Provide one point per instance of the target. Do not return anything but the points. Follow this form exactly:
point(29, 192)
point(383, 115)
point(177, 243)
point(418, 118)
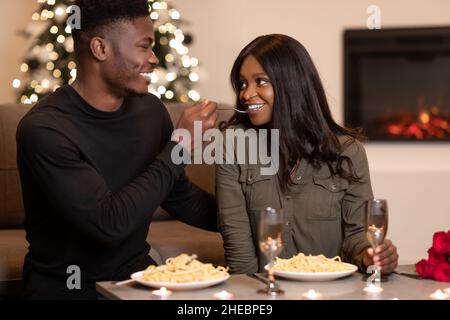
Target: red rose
point(441, 242)
point(442, 272)
point(435, 257)
point(424, 269)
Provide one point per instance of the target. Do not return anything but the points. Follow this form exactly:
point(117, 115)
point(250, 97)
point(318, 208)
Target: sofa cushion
point(13, 247)
point(11, 207)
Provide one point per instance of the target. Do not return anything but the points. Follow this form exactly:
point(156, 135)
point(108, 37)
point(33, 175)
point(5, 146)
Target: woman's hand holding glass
point(385, 257)
point(383, 253)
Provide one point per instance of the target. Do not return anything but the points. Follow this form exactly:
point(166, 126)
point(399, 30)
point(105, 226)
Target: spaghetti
point(184, 268)
point(303, 263)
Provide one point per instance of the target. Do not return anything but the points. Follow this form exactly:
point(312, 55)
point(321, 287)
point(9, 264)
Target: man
point(95, 160)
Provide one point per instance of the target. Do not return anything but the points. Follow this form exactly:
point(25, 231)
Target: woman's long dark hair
point(300, 111)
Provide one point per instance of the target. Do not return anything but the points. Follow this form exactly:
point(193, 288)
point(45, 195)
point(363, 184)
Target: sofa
point(167, 236)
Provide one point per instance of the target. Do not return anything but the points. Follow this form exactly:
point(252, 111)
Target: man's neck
point(98, 95)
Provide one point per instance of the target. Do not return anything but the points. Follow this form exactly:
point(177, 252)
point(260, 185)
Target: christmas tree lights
point(50, 61)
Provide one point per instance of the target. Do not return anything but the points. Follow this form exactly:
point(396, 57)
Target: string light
point(57, 73)
point(154, 15)
point(60, 11)
point(45, 84)
point(162, 29)
point(61, 39)
point(169, 94)
point(194, 62)
point(174, 14)
point(186, 61)
point(24, 67)
point(16, 83)
point(193, 76)
point(50, 66)
point(169, 57)
point(171, 76)
point(71, 65)
point(34, 98)
point(54, 56)
point(194, 95)
point(38, 89)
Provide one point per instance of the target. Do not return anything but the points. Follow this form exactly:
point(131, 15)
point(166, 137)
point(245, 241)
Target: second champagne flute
point(376, 224)
point(270, 237)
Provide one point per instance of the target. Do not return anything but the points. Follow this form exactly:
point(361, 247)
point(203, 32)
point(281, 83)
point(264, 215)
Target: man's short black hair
point(98, 14)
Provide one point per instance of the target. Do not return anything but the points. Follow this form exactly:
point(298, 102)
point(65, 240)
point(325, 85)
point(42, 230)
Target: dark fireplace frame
point(392, 40)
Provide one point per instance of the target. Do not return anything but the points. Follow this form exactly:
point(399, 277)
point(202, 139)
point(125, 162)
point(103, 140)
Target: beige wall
point(15, 16)
point(415, 178)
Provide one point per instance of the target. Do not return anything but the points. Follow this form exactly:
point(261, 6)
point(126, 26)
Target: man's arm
point(192, 205)
point(80, 194)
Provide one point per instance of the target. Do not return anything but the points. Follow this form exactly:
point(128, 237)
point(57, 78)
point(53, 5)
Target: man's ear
point(99, 48)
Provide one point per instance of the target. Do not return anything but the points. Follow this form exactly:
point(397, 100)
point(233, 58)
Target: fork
point(259, 277)
point(119, 283)
point(237, 110)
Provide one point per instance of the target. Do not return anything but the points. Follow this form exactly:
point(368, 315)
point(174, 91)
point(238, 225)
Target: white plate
point(137, 276)
point(316, 276)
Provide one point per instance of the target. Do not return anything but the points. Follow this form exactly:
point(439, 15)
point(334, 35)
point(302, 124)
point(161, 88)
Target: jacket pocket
point(260, 190)
point(326, 198)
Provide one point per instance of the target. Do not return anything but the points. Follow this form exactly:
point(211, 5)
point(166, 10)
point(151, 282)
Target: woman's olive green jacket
point(323, 214)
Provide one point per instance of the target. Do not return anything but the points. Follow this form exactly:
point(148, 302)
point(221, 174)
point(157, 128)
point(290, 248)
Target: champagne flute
point(270, 235)
point(376, 226)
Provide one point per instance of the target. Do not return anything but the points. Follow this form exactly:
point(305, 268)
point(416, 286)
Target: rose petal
point(424, 269)
point(441, 272)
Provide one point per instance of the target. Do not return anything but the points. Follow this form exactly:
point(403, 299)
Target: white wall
point(414, 178)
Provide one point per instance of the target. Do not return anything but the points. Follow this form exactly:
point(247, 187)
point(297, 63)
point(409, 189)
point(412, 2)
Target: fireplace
point(397, 83)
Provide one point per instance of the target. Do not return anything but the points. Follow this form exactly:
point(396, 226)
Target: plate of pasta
point(183, 272)
point(312, 268)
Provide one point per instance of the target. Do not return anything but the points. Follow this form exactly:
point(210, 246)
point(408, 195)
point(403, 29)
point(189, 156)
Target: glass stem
point(271, 286)
point(377, 274)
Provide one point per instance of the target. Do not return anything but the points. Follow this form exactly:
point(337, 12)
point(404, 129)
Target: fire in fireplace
point(397, 83)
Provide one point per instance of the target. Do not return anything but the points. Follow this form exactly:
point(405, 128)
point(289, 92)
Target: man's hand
point(205, 111)
point(385, 257)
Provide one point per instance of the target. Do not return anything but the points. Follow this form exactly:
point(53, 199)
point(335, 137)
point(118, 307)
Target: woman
point(323, 180)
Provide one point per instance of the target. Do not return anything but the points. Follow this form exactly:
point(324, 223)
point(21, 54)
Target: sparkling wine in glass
point(270, 237)
point(376, 225)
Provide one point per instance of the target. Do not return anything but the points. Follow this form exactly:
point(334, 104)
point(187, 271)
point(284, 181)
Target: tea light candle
point(312, 295)
point(373, 289)
point(162, 293)
point(439, 295)
point(223, 295)
point(447, 290)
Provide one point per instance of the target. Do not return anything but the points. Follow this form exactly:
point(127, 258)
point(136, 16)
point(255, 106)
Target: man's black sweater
point(91, 181)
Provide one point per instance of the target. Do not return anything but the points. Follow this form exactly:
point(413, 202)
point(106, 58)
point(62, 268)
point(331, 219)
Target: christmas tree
point(50, 61)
